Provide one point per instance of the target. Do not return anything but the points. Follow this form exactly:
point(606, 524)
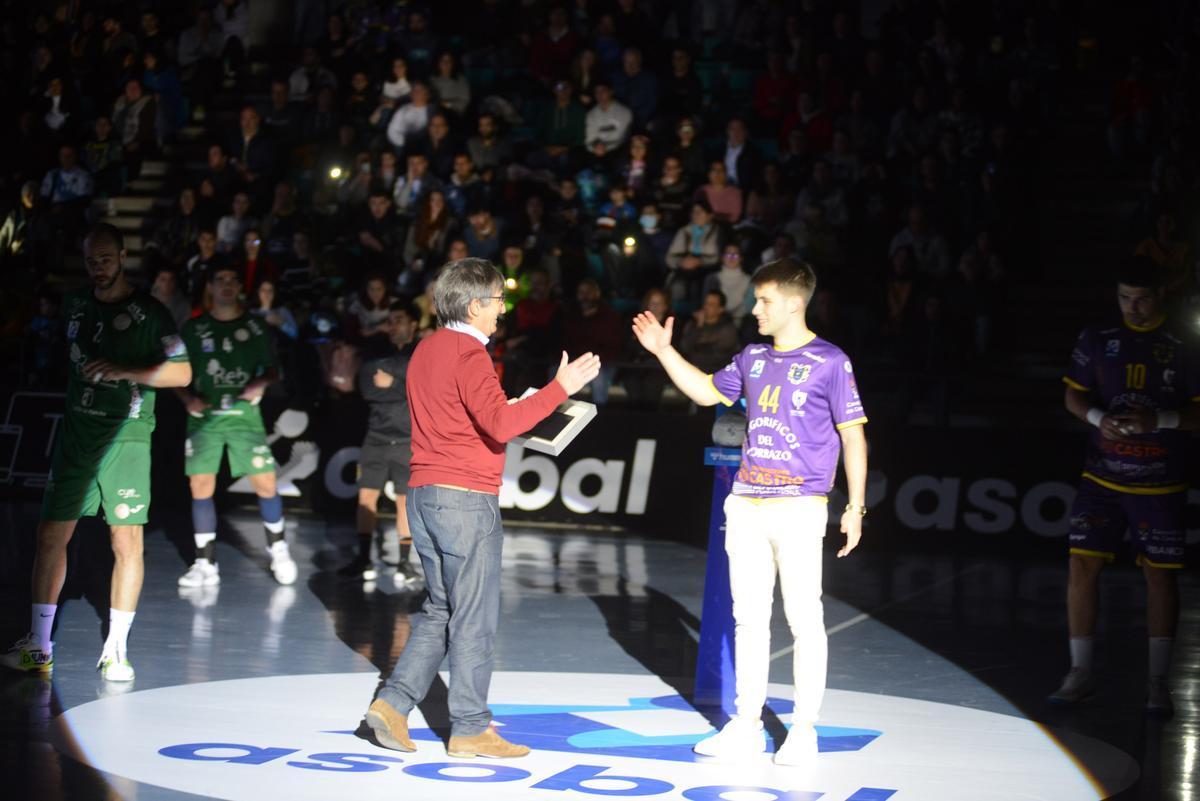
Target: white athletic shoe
point(282, 566)
point(114, 665)
point(739, 737)
point(1076, 687)
point(202, 573)
point(29, 655)
point(1158, 697)
point(800, 747)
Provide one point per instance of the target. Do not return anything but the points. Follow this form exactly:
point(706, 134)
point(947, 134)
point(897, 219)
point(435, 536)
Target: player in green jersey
point(123, 346)
point(233, 362)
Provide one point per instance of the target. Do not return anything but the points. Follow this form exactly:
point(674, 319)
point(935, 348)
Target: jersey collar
point(1142, 329)
point(806, 340)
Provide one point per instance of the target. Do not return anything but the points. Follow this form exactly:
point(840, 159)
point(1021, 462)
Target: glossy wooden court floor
point(939, 669)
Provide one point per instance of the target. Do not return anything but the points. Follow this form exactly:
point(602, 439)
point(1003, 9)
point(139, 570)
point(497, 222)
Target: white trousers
point(761, 538)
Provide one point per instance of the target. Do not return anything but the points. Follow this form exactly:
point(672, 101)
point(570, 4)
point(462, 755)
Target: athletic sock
point(364, 545)
point(405, 550)
point(1081, 652)
point(206, 546)
point(119, 623)
point(204, 523)
point(1160, 656)
point(42, 622)
point(271, 510)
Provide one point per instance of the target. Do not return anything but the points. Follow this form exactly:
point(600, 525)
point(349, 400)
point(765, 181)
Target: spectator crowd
point(609, 157)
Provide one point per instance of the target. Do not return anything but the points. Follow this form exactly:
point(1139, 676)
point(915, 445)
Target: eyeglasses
point(734, 256)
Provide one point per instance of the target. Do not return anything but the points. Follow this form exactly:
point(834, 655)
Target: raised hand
point(654, 336)
point(576, 375)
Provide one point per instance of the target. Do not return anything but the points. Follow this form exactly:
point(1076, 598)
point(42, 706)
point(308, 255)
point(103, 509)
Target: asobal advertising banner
point(967, 489)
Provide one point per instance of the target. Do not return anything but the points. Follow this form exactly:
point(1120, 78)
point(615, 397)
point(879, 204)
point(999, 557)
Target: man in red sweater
point(461, 420)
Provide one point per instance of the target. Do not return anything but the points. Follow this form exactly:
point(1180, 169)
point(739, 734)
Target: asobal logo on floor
point(592, 734)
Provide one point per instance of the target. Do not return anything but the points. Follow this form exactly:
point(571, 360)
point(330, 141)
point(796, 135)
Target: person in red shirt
point(461, 420)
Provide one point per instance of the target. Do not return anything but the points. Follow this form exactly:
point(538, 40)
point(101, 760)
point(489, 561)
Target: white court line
point(860, 617)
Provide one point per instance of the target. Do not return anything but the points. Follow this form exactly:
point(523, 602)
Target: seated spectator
point(451, 87)
point(824, 191)
point(368, 309)
point(843, 160)
point(710, 338)
point(308, 78)
point(770, 203)
point(103, 157)
point(732, 282)
point(166, 290)
point(44, 341)
point(67, 189)
point(411, 119)
point(198, 267)
point(58, 112)
point(861, 125)
point(532, 231)
point(618, 208)
point(594, 327)
point(174, 240)
point(673, 193)
point(253, 262)
point(913, 129)
point(797, 158)
point(482, 236)
point(281, 118)
point(385, 175)
point(535, 342)
point(465, 189)
point(634, 170)
point(901, 295)
point(774, 90)
point(689, 151)
point(552, 49)
point(440, 147)
point(782, 246)
point(655, 238)
point(1172, 254)
point(218, 182)
point(490, 149)
point(972, 295)
point(813, 120)
point(396, 87)
point(636, 88)
point(695, 251)
point(643, 376)
point(724, 198)
point(585, 73)
point(352, 192)
point(609, 121)
point(253, 154)
point(419, 43)
point(360, 101)
point(161, 82)
point(379, 234)
point(931, 256)
point(233, 226)
point(266, 307)
point(427, 236)
point(680, 91)
point(323, 121)
point(21, 233)
point(743, 162)
point(133, 119)
point(412, 187)
point(199, 55)
point(561, 128)
point(298, 269)
point(516, 276)
point(457, 249)
point(282, 221)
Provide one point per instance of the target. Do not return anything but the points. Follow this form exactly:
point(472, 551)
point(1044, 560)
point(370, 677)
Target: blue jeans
point(458, 536)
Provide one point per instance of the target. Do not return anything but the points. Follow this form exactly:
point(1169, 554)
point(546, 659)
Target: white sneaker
point(800, 747)
point(202, 573)
point(114, 665)
point(1158, 696)
point(29, 655)
point(1077, 686)
point(739, 737)
point(282, 566)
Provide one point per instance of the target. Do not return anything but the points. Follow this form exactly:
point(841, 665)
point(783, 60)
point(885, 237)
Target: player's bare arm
point(1112, 426)
point(854, 462)
point(255, 389)
point(691, 380)
point(166, 375)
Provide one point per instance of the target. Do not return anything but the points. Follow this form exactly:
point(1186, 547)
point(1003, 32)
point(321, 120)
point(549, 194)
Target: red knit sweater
point(461, 417)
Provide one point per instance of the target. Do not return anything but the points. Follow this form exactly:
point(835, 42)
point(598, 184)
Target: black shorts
point(381, 462)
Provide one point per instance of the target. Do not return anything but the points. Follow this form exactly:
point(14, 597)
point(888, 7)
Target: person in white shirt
point(411, 118)
point(608, 122)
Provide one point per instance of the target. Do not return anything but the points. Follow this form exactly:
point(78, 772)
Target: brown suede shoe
point(486, 744)
point(390, 727)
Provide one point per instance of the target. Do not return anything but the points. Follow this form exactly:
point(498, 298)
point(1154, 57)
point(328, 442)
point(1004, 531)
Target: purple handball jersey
point(1124, 369)
point(796, 402)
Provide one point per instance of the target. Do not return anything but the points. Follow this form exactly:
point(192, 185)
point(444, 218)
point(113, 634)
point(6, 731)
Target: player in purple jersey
point(803, 407)
point(1135, 382)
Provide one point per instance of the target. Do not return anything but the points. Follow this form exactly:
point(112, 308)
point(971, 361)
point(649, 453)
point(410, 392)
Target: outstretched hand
point(654, 336)
point(576, 375)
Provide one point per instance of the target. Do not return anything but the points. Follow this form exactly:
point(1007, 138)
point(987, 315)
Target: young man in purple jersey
point(803, 407)
point(1135, 381)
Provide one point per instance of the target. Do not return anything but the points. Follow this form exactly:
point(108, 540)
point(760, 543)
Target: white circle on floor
point(592, 734)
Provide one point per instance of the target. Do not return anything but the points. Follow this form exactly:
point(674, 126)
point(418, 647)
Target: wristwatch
point(861, 510)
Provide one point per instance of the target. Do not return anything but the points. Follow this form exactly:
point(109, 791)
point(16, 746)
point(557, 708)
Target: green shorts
point(249, 453)
point(83, 481)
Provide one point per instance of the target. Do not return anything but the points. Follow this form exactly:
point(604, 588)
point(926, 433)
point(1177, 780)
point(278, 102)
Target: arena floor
point(939, 667)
